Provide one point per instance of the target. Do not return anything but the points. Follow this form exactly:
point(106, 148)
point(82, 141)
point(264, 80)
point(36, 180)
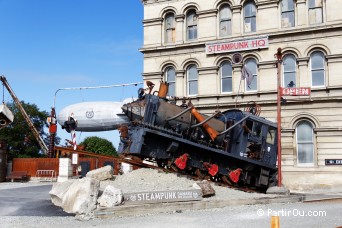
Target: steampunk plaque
point(162, 196)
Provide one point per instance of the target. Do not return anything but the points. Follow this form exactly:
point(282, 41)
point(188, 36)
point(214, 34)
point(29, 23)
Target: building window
point(289, 69)
point(317, 68)
point(287, 14)
point(170, 32)
point(170, 77)
point(249, 12)
point(252, 82)
point(226, 72)
point(192, 79)
point(225, 20)
point(191, 25)
point(305, 143)
point(315, 11)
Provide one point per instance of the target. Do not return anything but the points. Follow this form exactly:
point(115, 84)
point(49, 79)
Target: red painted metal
point(279, 57)
point(181, 161)
point(212, 168)
point(235, 175)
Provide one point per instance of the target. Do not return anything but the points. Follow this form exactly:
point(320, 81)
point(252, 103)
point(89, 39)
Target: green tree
point(20, 139)
point(99, 146)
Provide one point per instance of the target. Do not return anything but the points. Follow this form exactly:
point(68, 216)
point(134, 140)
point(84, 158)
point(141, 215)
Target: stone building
point(201, 47)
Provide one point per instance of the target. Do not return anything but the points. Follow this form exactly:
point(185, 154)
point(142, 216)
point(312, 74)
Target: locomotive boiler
point(233, 146)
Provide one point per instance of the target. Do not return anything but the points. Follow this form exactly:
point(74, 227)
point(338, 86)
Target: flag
point(247, 74)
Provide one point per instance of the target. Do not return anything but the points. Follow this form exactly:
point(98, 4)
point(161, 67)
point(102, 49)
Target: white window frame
point(316, 69)
point(225, 20)
point(288, 11)
point(224, 77)
point(255, 76)
point(292, 71)
point(170, 82)
point(188, 80)
point(172, 28)
point(311, 142)
point(314, 9)
point(249, 17)
point(193, 25)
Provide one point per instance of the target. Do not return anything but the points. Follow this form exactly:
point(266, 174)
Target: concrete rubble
point(111, 197)
point(80, 196)
point(101, 174)
point(99, 192)
point(77, 196)
point(207, 189)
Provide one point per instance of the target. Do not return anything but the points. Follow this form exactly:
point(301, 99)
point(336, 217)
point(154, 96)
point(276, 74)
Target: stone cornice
point(153, 74)
point(208, 70)
point(153, 21)
point(273, 36)
point(336, 57)
point(207, 13)
point(267, 4)
point(236, 9)
point(303, 61)
point(180, 17)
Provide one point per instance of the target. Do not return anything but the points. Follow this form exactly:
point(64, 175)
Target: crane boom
point(26, 117)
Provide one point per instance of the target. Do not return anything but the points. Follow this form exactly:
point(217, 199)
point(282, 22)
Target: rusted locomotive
point(236, 147)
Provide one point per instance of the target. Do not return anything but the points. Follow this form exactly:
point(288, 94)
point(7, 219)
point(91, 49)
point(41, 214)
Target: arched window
point(170, 77)
point(170, 31)
point(249, 14)
point(192, 80)
point(305, 143)
point(317, 68)
point(225, 20)
point(226, 72)
point(289, 69)
point(252, 80)
point(315, 11)
point(287, 13)
point(191, 25)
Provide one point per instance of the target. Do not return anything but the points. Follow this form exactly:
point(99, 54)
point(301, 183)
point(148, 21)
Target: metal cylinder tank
point(3, 160)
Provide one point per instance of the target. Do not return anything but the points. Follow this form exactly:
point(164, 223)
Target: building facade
point(202, 47)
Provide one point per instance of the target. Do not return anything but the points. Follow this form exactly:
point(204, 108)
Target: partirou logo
point(292, 212)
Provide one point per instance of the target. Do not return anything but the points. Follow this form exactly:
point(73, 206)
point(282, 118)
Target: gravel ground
point(141, 180)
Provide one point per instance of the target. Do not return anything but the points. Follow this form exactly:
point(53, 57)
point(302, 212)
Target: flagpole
point(243, 77)
point(237, 96)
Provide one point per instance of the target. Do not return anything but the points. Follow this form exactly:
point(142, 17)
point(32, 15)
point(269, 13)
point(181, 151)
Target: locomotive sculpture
point(236, 147)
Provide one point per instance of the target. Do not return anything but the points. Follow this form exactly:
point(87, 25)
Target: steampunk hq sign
point(162, 196)
point(237, 45)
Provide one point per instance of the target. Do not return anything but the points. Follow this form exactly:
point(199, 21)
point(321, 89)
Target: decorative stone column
point(236, 20)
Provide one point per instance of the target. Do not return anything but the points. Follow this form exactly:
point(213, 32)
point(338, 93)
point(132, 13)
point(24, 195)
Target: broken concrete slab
point(110, 197)
point(80, 197)
point(58, 190)
point(101, 174)
point(207, 189)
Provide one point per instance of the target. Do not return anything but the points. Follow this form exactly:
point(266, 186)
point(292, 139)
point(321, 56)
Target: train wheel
point(174, 168)
point(226, 180)
point(161, 164)
point(201, 174)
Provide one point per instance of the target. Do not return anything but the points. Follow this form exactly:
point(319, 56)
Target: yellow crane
point(26, 117)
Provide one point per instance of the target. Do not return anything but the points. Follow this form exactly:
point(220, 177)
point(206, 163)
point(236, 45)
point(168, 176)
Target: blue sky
point(50, 44)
